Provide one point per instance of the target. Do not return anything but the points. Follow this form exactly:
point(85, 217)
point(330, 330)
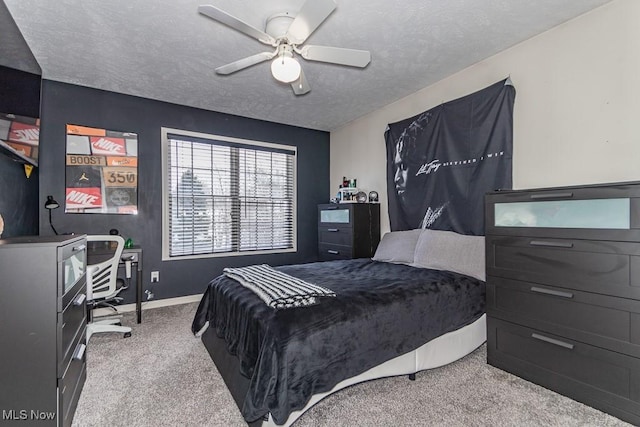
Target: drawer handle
point(551, 244)
point(553, 341)
point(552, 196)
point(79, 353)
point(551, 292)
point(79, 248)
point(333, 230)
point(79, 299)
point(331, 251)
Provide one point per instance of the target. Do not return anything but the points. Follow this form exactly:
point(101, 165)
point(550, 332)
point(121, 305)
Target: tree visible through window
point(228, 196)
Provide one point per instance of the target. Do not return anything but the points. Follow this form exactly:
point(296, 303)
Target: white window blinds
point(227, 196)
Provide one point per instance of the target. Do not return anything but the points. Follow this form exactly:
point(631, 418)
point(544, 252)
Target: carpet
point(162, 376)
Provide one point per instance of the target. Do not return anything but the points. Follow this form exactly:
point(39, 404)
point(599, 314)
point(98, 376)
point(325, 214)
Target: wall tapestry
point(441, 163)
point(101, 171)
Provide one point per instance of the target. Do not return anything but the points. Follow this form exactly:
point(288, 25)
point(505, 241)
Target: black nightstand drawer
point(331, 252)
point(610, 268)
point(598, 377)
point(336, 215)
point(595, 319)
point(336, 235)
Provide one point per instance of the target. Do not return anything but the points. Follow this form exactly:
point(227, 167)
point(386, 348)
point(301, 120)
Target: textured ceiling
point(165, 50)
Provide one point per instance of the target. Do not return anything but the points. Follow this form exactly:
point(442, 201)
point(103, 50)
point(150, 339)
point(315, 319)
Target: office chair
point(102, 284)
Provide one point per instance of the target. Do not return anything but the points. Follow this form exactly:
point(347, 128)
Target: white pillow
point(397, 247)
point(446, 250)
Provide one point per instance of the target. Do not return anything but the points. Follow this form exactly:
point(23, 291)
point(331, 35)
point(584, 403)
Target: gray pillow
point(397, 247)
point(446, 250)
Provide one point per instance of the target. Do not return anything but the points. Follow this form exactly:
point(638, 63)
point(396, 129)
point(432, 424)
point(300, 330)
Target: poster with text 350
point(101, 171)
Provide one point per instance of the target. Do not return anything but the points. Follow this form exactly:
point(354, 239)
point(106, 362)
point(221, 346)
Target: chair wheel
point(127, 334)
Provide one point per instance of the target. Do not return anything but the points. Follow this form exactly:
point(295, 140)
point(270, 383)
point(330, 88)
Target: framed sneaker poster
point(101, 171)
point(19, 137)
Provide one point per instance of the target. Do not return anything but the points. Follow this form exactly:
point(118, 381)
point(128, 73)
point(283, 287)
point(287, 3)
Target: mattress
point(380, 311)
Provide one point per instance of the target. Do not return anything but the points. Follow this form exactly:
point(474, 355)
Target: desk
point(134, 254)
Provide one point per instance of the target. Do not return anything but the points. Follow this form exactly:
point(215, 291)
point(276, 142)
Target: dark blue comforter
point(381, 311)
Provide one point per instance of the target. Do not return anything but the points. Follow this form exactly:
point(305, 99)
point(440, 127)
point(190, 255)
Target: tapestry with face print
point(441, 163)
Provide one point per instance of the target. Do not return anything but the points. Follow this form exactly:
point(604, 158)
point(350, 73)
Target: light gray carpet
point(163, 376)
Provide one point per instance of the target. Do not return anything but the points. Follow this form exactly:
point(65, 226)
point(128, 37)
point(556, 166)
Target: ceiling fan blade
point(312, 14)
point(336, 55)
point(301, 86)
point(235, 23)
point(245, 63)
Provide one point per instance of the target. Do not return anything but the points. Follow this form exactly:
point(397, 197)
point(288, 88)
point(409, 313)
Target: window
point(226, 196)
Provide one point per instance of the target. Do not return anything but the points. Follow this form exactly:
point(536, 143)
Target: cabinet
point(563, 291)
point(42, 325)
point(348, 230)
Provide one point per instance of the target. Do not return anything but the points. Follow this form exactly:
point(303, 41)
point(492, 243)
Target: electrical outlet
point(155, 276)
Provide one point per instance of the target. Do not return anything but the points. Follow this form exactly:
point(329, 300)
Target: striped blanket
point(277, 289)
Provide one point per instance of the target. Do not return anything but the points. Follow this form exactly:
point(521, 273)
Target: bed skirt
point(438, 352)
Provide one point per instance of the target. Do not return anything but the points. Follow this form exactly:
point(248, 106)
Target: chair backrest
point(102, 275)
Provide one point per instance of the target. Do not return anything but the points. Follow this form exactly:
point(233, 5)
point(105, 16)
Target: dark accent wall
point(64, 103)
point(20, 95)
point(20, 92)
point(18, 199)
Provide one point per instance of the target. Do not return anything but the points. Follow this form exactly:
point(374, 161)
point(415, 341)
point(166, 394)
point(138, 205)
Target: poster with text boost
point(101, 171)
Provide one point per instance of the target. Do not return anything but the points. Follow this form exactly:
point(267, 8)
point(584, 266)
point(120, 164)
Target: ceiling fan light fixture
point(287, 32)
point(285, 68)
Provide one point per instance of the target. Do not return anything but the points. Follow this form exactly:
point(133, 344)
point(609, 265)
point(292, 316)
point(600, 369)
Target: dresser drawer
point(71, 322)
point(336, 215)
point(610, 268)
point(604, 321)
point(592, 375)
point(610, 212)
point(72, 381)
point(65, 299)
point(330, 252)
point(336, 235)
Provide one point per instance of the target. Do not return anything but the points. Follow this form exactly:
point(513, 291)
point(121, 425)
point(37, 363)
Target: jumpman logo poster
point(101, 171)
point(441, 163)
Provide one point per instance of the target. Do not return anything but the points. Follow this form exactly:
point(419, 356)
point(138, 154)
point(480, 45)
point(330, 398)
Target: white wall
point(577, 107)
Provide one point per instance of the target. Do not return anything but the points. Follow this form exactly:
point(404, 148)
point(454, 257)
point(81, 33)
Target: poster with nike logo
point(101, 171)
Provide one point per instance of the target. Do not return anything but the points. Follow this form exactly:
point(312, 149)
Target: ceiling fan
point(286, 32)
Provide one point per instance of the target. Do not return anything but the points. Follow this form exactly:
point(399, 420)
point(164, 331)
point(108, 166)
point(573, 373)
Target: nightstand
point(348, 230)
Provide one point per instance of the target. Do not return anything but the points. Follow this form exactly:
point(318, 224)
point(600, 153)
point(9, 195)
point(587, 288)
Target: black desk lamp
point(51, 204)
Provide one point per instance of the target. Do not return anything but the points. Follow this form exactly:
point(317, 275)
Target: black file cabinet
point(348, 230)
point(563, 291)
point(43, 329)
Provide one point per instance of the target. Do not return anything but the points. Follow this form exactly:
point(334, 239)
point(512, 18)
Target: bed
point(417, 304)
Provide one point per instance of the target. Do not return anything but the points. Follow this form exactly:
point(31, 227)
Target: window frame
point(165, 131)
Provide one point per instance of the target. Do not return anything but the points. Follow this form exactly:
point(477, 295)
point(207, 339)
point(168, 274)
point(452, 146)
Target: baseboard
point(126, 308)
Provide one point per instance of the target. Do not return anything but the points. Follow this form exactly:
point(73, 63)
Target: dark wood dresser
point(348, 230)
point(42, 325)
point(563, 291)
